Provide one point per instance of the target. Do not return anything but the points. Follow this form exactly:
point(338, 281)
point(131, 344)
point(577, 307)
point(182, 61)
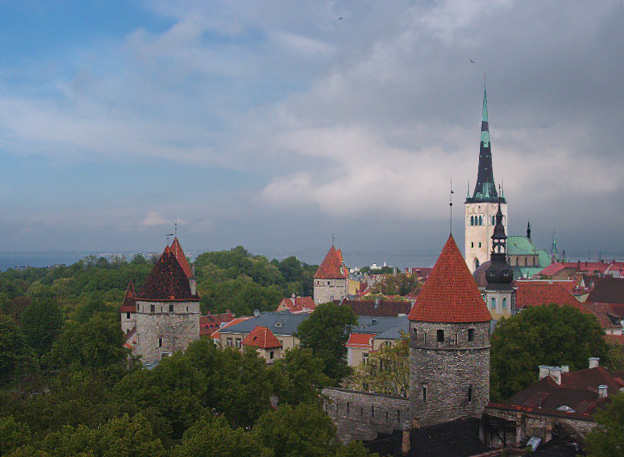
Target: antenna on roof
point(451, 208)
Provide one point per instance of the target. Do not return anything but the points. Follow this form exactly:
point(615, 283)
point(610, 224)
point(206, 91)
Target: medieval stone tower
point(481, 208)
point(166, 309)
point(500, 295)
point(331, 280)
point(449, 344)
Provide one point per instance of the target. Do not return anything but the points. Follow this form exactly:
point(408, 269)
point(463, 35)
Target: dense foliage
point(542, 335)
point(400, 284)
point(325, 332)
point(607, 440)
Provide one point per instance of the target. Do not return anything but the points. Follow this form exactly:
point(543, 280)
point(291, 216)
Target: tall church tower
point(482, 207)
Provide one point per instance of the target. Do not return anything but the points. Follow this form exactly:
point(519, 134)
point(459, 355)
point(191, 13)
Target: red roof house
point(450, 293)
point(296, 304)
point(531, 293)
point(262, 338)
point(211, 322)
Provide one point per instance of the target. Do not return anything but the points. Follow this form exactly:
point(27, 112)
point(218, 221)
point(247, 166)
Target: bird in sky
point(340, 18)
point(472, 61)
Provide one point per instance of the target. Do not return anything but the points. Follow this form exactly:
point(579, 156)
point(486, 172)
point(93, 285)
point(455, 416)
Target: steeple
point(485, 189)
point(499, 275)
point(529, 230)
point(554, 252)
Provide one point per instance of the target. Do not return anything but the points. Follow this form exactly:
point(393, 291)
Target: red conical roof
point(167, 281)
point(129, 304)
point(450, 293)
point(176, 249)
point(331, 268)
point(261, 337)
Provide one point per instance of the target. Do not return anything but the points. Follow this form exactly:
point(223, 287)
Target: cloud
point(153, 219)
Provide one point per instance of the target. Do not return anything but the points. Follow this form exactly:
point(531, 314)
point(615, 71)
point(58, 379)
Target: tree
point(325, 332)
point(399, 284)
point(96, 344)
point(215, 438)
point(386, 371)
point(607, 440)
point(297, 431)
point(16, 358)
point(12, 435)
point(41, 323)
point(541, 335)
point(298, 377)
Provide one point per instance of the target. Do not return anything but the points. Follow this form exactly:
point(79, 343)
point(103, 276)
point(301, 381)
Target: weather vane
point(168, 235)
point(451, 208)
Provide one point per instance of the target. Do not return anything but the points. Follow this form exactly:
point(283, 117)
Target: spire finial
point(529, 229)
point(333, 239)
point(175, 229)
point(451, 208)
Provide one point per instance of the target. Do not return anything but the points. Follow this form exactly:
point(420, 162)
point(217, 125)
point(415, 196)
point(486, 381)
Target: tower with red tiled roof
point(331, 280)
point(167, 308)
point(481, 207)
point(128, 310)
point(449, 344)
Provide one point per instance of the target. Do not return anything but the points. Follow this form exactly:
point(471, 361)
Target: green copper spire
point(485, 132)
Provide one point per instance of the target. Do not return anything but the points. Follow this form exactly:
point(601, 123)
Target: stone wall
point(326, 290)
point(449, 379)
point(128, 322)
point(161, 332)
point(361, 415)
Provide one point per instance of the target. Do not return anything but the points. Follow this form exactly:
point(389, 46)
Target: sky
point(276, 124)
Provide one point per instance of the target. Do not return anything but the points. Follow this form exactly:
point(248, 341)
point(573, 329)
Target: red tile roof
point(383, 308)
point(360, 340)
point(262, 337)
point(450, 293)
point(176, 249)
point(167, 281)
point(296, 304)
point(585, 267)
point(212, 322)
point(331, 268)
point(608, 290)
point(537, 294)
point(578, 390)
point(129, 303)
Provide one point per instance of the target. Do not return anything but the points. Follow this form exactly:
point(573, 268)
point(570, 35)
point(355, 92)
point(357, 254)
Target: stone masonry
point(361, 415)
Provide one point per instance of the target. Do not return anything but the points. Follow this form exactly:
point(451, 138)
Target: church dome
point(479, 274)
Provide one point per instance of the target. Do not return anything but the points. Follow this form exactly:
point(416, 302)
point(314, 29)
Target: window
point(415, 333)
point(159, 342)
point(238, 342)
point(425, 338)
point(424, 392)
point(153, 308)
point(479, 243)
point(271, 355)
point(493, 305)
point(229, 342)
point(470, 334)
point(471, 220)
point(472, 244)
point(348, 407)
point(470, 392)
point(127, 315)
point(480, 220)
point(365, 358)
point(372, 411)
point(170, 308)
point(493, 220)
point(504, 302)
point(440, 335)
point(362, 411)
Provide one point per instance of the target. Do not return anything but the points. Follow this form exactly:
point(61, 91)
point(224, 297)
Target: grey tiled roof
point(382, 326)
point(280, 323)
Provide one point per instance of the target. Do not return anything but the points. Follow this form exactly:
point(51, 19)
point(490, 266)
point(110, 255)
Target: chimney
point(565, 369)
point(405, 442)
point(603, 391)
point(555, 374)
point(594, 362)
point(193, 285)
point(544, 370)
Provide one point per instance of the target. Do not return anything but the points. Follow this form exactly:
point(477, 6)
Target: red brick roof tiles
point(331, 267)
point(609, 315)
point(216, 335)
point(450, 293)
point(167, 281)
point(360, 340)
point(537, 294)
point(176, 249)
point(296, 304)
point(261, 337)
point(607, 290)
point(129, 303)
point(208, 324)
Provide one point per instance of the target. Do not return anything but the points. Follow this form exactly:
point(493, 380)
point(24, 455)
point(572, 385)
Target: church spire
point(485, 189)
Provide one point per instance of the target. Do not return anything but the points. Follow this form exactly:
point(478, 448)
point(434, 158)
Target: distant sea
point(44, 259)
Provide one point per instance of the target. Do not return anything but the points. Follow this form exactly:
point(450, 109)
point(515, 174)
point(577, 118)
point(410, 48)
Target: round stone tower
point(449, 344)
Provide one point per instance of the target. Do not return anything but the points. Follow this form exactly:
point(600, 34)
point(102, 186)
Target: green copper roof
point(544, 258)
point(520, 245)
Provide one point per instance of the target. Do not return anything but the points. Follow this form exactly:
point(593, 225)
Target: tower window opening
point(479, 243)
point(440, 335)
point(493, 220)
point(160, 342)
point(470, 392)
point(127, 315)
point(480, 220)
point(153, 308)
point(493, 303)
point(424, 392)
point(471, 334)
point(504, 302)
point(170, 308)
point(471, 220)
